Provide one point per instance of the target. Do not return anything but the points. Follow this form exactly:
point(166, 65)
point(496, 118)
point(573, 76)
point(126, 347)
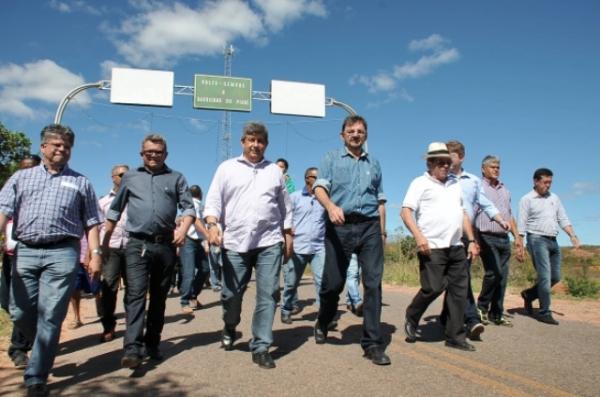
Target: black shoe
point(410, 330)
point(154, 353)
point(332, 325)
point(227, 339)
point(20, 359)
point(263, 359)
point(547, 319)
point(464, 345)
point(131, 361)
point(527, 303)
point(286, 318)
point(37, 390)
point(320, 335)
point(296, 309)
point(377, 355)
point(358, 310)
point(475, 330)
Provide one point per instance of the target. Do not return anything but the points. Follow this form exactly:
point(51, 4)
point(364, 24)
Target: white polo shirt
point(438, 209)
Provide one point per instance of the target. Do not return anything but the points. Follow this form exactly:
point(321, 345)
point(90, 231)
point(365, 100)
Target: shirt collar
point(165, 170)
point(345, 152)
point(261, 163)
point(305, 191)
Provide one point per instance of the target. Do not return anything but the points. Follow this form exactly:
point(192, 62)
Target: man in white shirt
point(432, 211)
point(248, 197)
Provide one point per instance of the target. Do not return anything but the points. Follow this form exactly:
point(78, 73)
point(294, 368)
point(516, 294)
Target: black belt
point(553, 238)
point(355, 217)
point(153, 238)
point(51, 243)
point(493, 234)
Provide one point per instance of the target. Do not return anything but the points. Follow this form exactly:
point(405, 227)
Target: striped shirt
point(473, 195)
point(542, 215)
point(118, 238)
point(49, 207)
point(499, 195)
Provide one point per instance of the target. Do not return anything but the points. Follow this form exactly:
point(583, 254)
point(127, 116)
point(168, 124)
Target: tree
point(13, 146)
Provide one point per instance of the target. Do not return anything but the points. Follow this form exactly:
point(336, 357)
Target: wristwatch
point(210, 224)
point(97, 251)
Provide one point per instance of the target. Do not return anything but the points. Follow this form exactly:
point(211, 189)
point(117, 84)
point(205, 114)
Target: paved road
point(531, 359)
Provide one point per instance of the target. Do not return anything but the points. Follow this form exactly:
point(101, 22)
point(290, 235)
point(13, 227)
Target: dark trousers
point(195, 270)
point(341, 241)
point(19, 344)
point(149, 268)
point(113, 270)
point(471, 315)
point(444, 270)
point(495, 255)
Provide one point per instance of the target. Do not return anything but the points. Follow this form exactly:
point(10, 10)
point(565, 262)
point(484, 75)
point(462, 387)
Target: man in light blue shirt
point(309, 244)
point(350, 188)
point(473, 198)
point(541, 216)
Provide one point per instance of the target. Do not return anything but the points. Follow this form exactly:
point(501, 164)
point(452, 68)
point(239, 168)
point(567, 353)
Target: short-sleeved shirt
point(152, 200)
point(353, 184)
point(438, 209)
point(48, 207)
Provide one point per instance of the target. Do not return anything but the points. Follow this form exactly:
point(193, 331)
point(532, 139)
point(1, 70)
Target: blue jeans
point(215, 263)
point(495, 255)
point(341, 241)
point(41, 286)
point(194, 269)
point(237, 270)
point(292, 274)
point(353, 283)
point(545, 254)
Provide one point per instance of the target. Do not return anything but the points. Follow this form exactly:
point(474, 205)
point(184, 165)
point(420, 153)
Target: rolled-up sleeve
point(118, 204)
point(186, 203)
point(325, 173)
point(214, 202)
point(561, 215)
point(7, 196)
point(91, 214)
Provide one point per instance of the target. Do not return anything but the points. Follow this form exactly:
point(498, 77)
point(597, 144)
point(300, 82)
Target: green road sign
point(222, 93)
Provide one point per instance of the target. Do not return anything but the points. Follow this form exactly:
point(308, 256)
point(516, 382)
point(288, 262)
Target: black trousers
point(341, 241)
point(444, 270)
point(149, 269)
point(112, 272)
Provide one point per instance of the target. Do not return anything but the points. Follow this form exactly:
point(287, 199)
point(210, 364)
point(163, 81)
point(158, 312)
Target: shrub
point(581, 287)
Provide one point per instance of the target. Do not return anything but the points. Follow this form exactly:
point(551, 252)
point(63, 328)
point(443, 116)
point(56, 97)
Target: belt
point(153, 238)
point(51, 244)
point(355, 217)
point(494, 234)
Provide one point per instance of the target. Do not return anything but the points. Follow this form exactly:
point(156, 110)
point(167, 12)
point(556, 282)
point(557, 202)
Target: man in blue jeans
point(194, 260)
point(541, 216)
point(309, 244)
point(248, 198)
point(52, 206)
point(350, 188)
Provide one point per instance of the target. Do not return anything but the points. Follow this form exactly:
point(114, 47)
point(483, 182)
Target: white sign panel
point(142, 87)
point(299, 99)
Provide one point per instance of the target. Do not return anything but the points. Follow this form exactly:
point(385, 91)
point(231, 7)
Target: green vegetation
point(13, 145)
point(580, 268)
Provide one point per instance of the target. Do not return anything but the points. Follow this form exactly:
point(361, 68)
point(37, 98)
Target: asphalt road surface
point(530, 359)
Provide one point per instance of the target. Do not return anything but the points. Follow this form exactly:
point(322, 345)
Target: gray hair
point(116, 167)
point(255, 128)
point(57, 131)
point(155, 138)
point(489, 159)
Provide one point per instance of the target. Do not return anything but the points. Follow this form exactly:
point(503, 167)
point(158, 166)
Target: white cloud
point(584, 188)
point(278, 13)
point(107, 66)
point(70, 6)
point(387, 82)
point(159, 34)
point(41, 80)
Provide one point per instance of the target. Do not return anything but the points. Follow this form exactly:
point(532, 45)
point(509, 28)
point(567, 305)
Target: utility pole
point(225, 135)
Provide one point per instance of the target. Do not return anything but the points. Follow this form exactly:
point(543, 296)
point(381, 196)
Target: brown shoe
point(107, 336)
point(187, 310)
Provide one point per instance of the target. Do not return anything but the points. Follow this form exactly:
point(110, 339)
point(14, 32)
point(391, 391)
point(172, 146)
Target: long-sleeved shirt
point(499, 195)
point(309, 223)
point(354, 185)
point(118, 238)
point(473, 195)
point(151, 200)
point(251, 202)
point(542, 215)
point(48, 207)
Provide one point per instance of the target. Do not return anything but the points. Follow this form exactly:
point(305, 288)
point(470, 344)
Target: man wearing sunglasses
point(151, 194)
point(114, 265)
point(433, 212)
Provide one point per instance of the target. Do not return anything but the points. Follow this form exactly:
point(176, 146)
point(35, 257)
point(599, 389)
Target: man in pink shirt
point(249, 199)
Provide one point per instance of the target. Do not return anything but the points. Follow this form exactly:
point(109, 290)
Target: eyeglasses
point(442, 163)
point(150, 153)
point(120, 175)
point(359, 132)
point(311, 177)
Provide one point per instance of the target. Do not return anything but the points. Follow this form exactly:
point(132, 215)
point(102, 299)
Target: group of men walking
point(250, 216)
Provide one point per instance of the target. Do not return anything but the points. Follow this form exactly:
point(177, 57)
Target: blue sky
point(518, 79)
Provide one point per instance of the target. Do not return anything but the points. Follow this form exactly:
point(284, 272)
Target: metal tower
point(225, 138)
